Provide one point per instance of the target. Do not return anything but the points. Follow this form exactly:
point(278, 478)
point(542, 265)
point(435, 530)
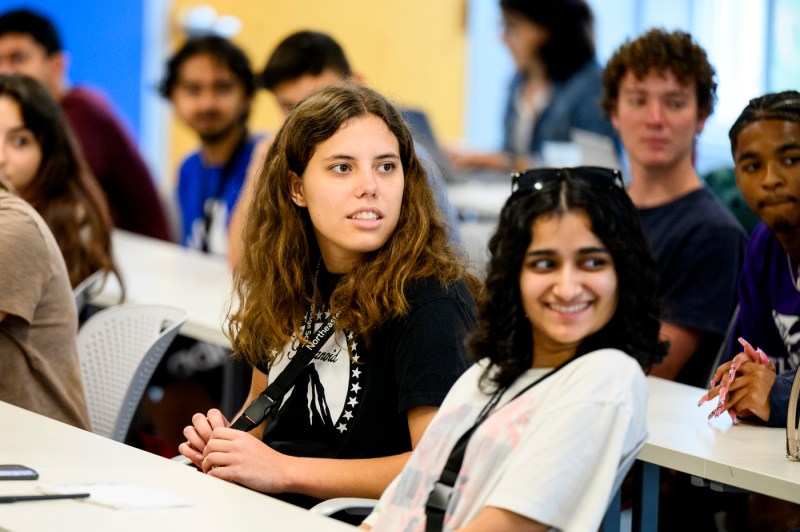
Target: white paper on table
point(119, 496)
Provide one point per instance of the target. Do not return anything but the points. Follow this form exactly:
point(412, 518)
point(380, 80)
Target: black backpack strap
point(439, 497)
point(443, 488)
point(258, 410)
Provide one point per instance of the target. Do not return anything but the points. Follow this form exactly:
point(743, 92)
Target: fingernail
point(722, 393)
point(702, 400)
point(733, 415)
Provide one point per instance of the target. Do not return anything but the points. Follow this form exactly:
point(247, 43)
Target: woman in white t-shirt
point(570, 286)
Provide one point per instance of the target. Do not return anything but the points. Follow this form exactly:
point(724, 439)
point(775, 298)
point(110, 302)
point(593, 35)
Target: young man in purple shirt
point(765, 141)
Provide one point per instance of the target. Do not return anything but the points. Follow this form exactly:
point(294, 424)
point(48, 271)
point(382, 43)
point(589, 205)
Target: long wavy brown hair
point(274, 281)
point(64, 191)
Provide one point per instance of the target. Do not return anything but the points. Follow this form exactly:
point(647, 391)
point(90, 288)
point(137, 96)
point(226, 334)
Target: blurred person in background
point(556, 87)
point(30, 44)
point(211, 86)
point(42, 162)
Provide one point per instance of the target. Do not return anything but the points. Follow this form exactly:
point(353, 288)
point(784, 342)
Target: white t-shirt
point(556, 454)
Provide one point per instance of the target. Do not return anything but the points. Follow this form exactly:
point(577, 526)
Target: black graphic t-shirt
point(354, 403)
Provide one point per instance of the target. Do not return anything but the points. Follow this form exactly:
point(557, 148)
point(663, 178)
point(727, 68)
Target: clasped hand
point(233, 455)
point(743, 385)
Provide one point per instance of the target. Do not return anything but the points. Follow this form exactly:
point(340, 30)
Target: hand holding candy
point(721, 384)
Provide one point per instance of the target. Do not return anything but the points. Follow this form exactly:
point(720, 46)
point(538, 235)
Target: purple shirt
point(769, 302)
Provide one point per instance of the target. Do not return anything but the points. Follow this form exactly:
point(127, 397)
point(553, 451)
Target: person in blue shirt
point(211, 85)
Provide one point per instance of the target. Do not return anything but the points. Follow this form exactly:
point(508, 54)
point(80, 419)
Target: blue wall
point(104, 41)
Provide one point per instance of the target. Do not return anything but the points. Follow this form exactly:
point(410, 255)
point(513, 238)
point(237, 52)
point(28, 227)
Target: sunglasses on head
point(595, 176)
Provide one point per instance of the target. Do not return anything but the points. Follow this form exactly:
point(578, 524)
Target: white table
point(65, 455)
point(158, 272)
point(747, 456)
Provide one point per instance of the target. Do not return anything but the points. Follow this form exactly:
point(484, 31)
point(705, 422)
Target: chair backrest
point(724, 347)
point(119, 349)
point(87, 288)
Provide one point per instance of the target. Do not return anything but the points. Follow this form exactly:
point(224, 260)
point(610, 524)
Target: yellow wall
point(411, 50)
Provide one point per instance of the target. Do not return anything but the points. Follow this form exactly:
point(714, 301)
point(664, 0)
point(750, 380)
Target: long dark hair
point(504, 334)
point(63, 191)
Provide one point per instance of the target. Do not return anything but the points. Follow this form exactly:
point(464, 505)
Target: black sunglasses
point(595, 176)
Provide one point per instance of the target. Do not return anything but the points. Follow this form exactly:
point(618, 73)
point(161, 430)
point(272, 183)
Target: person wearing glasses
point(659, 91)
point(556, 87)
point(569, 317)
point(343, 235)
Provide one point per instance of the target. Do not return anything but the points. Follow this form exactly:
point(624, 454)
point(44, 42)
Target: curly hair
point(661, 52)
point(273, 284)
point(570, 26)
point(504, 335)
point(783, 106)
point(64, 191)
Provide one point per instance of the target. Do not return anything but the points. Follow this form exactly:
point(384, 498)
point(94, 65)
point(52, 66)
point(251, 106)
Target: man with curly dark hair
point(659, 91)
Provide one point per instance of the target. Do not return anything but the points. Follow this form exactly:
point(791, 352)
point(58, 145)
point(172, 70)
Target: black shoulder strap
point(257, 411)
point(225, 176)
point(439, 497)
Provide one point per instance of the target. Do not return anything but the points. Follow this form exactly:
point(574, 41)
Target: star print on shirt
point(343, 424)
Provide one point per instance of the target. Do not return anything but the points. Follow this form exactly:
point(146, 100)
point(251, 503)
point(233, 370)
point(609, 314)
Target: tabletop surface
point(66, 455)
point(158, 272)
point(745, 455)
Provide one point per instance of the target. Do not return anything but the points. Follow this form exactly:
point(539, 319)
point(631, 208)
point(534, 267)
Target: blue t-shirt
point(212, 189)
